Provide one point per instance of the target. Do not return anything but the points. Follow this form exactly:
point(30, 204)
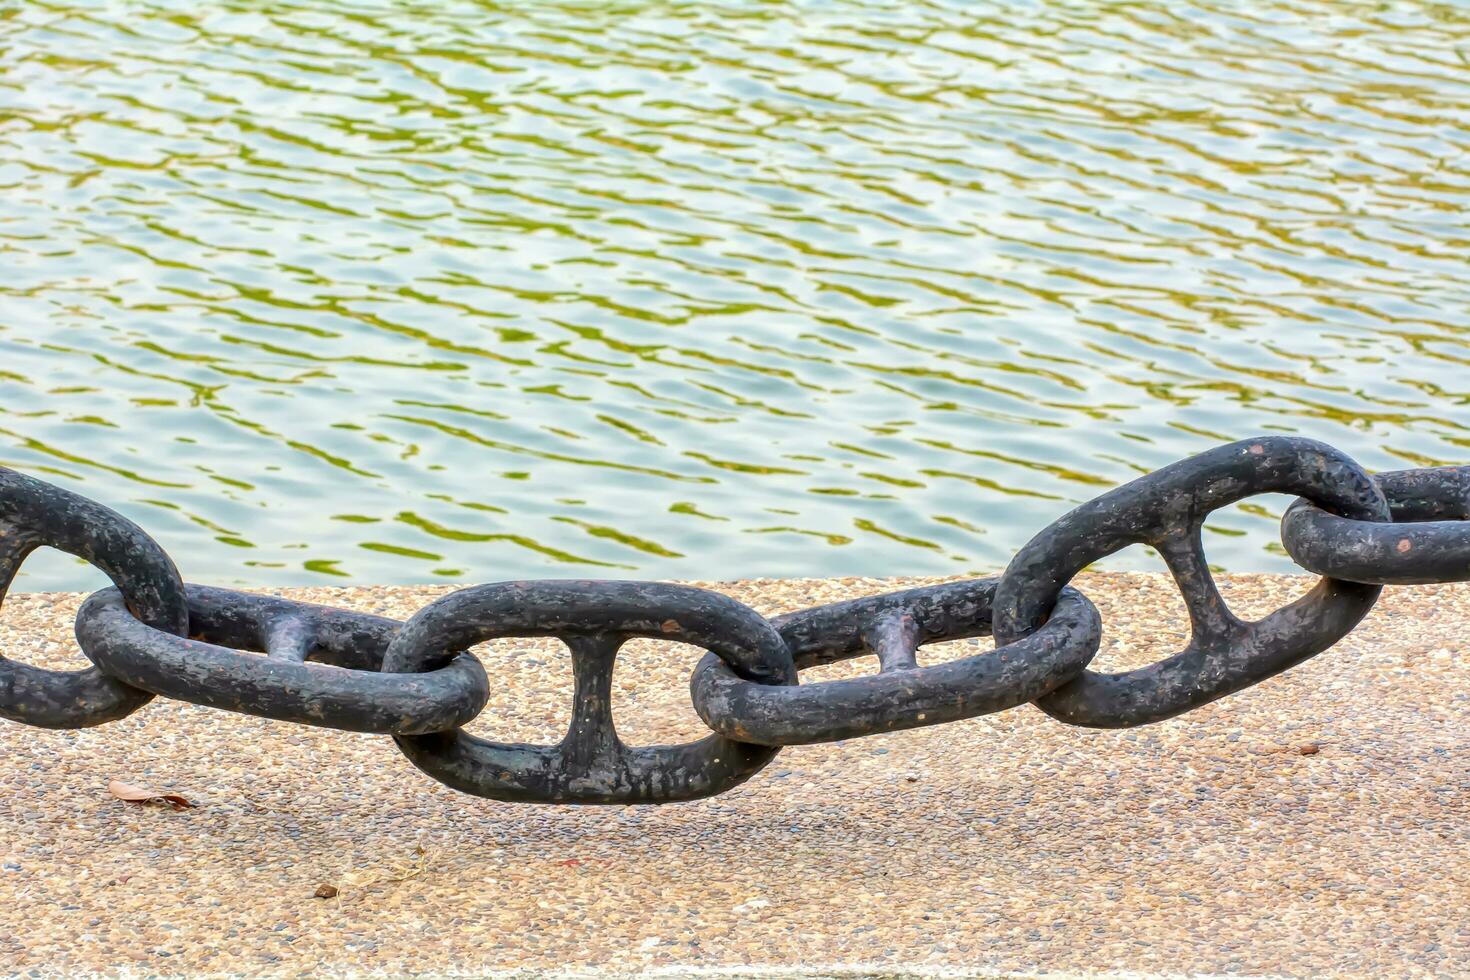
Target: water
point(329, 291)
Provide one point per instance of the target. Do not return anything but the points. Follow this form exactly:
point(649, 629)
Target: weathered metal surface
point(1427, 541)
point(34, 514)
point(342, 689)
point(902, 694)
point(1166, 510)
point(594, 619)
point(334, 668)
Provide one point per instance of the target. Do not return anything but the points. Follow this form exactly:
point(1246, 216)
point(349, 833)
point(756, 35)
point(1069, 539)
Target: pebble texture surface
point(1318, 824)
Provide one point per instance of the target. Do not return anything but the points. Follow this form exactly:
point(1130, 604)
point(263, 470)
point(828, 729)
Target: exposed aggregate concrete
point(1318, 824)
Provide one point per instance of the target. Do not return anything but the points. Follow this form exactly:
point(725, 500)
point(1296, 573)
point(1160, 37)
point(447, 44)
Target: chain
point(150, 634)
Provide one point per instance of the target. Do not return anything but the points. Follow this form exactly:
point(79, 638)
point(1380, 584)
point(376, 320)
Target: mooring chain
point(153, 635)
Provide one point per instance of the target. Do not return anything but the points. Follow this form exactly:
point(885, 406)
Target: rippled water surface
point(392, 291)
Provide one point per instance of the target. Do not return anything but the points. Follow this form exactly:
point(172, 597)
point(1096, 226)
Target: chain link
point(34, 515)
point(594, 619)
point(1427, 540)
point(151, 634)
point(1167, 511)
point(210, 669)
point(902, 694)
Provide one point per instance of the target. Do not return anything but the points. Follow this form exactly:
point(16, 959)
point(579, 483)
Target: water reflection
point(391, 291)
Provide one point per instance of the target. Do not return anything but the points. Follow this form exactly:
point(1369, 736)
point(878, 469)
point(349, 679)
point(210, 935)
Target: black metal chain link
point(34, 514)
point(1427, 539)
point(594, 619)
point(1167, 510)
point(902, 694)
point(209, 668)
point(153, 635)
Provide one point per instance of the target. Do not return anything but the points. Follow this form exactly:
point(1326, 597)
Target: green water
point(329, 291)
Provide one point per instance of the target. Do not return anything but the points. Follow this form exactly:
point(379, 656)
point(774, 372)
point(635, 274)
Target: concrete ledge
point(1005, 846)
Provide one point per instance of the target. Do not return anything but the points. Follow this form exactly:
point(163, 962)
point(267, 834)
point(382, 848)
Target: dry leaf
point(1306, 748)
point(356, 881)
point(141, 794)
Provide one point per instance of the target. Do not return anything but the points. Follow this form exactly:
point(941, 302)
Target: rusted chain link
point(152, 635)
